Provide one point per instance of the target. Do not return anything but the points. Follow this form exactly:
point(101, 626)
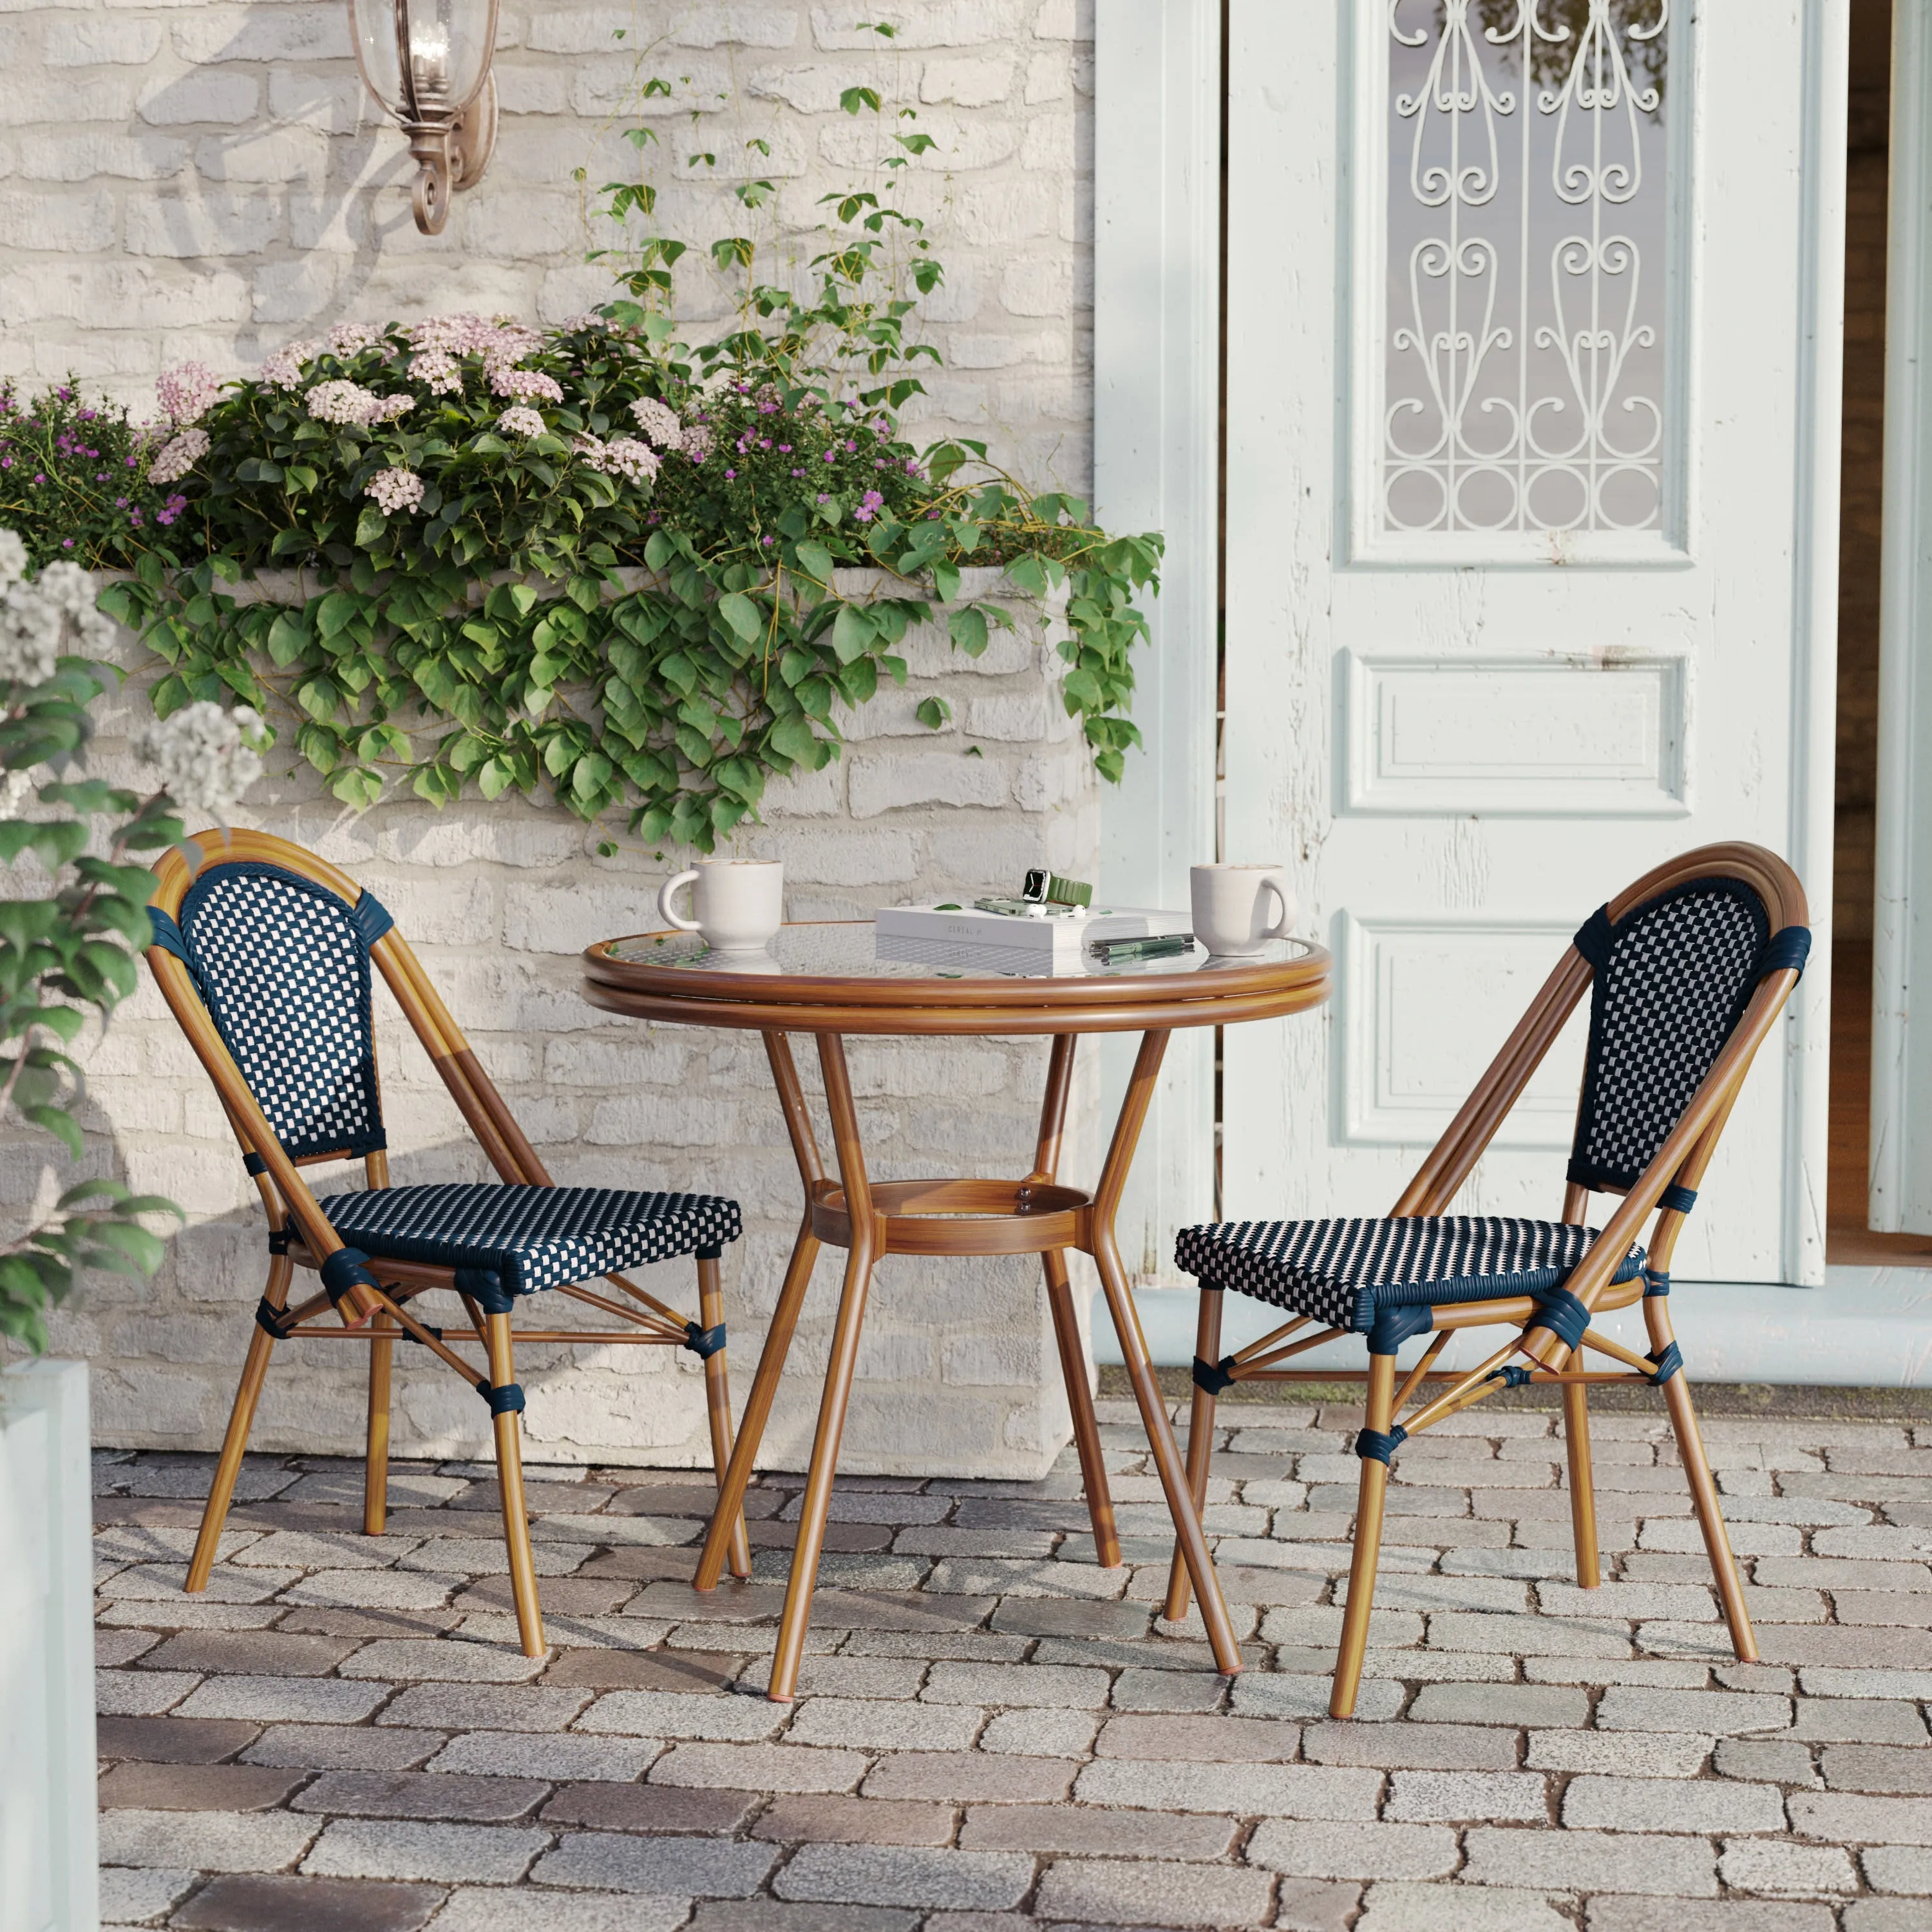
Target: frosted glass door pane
point(1523, 339)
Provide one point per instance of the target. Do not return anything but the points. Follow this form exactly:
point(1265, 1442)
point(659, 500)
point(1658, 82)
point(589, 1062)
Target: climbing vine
point(597, 561)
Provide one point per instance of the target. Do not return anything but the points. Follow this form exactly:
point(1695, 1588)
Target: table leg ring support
point(508, 1400)
point(704, 1342)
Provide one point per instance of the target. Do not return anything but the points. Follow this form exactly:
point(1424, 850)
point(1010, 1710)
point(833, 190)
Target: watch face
point(1035, 888)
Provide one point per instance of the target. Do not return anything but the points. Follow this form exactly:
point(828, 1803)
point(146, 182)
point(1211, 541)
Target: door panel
point(1523, 515)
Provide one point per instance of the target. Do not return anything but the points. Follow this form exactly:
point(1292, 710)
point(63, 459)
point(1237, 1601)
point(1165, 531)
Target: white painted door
point(1534, 309)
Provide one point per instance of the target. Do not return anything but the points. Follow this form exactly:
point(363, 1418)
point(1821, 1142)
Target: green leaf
point(816, 559)
point(967, 629)
point(741, 614)
point(933, 712)
point(852, 632)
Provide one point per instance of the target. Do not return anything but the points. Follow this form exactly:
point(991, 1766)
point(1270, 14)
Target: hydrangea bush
point(592, 561)
point(75, 915)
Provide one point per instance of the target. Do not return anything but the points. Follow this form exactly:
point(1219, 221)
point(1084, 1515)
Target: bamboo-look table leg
point(959, 1218)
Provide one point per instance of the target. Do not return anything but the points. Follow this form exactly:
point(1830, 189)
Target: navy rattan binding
point(282, 964)
point(1672, 979)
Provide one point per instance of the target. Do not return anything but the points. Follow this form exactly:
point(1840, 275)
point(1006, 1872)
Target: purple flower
point(869, 506)
point(120, 502)
point(822, 497)
point(832, 456)
point(765, 541)
point(729, 474)
point(66, 543)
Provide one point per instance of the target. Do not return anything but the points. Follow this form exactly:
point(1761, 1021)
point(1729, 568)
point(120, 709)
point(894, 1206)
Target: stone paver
point(991, 1734)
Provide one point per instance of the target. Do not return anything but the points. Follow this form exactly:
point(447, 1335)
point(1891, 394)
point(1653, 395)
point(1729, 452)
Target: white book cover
point(1013, 942)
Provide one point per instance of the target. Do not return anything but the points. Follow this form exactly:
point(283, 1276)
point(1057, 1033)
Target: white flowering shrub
point(207, 756)
point(68, 950)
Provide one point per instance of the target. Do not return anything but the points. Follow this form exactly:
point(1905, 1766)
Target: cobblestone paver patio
point(991, 1733)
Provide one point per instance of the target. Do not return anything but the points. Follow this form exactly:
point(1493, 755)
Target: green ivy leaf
point(852, 632)
point(741, 614)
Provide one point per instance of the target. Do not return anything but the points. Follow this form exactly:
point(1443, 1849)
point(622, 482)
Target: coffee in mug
point(1238, 909)
point(736, 904)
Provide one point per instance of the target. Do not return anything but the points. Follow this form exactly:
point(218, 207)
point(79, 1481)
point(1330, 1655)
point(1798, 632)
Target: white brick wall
point(959, 1369)
point(207, 180)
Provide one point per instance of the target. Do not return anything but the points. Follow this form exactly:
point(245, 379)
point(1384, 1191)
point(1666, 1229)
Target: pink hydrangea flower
point(520, 421)
point(395, 490)
point(525, 386)
point(186, 391)
point(179, 455)
point(658, 421)
point(340, 402)
point(622, 456)
point(695, 442)
point(350, 338)
point(438, 370)
point(283, 369)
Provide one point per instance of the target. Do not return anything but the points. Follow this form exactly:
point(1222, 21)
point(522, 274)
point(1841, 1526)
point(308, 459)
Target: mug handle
point(664, 892)
point(1276, 883)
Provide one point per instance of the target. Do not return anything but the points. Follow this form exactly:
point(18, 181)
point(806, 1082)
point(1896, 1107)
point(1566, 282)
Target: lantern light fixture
point(427, 62)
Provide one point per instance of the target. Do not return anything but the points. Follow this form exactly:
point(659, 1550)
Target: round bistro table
point(826, 979)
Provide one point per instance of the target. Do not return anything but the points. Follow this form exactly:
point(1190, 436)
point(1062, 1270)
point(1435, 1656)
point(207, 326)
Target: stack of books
point(1045, 940)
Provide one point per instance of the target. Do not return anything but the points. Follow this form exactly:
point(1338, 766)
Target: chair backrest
point(1671, 980)
point(281, 962)
point(1684, 968)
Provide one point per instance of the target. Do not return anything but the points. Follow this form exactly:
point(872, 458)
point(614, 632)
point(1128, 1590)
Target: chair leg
point(510, 1482)
point(1080, 1400)
point(1583, 1488)
point(1367, 1551)
point(240, 1420)
point(751, 1429)
point(717, 1403)
point(1703, 1486)
point(376, 1472)
point(1200, 1441)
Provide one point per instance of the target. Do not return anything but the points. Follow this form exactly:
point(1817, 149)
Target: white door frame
point(1156, 298)
point(1156, 383)
point(1898, 1201)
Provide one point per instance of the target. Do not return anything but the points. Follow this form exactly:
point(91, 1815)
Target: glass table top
point(851, 949)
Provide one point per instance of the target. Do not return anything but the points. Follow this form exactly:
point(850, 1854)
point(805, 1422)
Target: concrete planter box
point(47, 1836)
point(959, 1371)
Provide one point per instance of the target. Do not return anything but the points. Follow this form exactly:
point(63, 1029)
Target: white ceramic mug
point(1231, 905)
point(737, 903)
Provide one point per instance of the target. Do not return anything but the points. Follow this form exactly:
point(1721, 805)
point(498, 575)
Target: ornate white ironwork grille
point(1523, 362)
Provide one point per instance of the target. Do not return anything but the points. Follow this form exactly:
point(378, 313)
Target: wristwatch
point(1044, 888)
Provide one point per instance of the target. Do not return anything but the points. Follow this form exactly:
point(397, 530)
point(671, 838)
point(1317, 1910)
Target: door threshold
point(1864, 1247)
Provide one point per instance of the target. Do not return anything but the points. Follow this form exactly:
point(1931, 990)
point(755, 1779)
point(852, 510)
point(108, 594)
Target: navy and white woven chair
point(263, 952)
point(1688, 970)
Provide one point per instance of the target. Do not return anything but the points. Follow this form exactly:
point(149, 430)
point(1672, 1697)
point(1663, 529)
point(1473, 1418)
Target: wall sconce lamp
point(427, 62)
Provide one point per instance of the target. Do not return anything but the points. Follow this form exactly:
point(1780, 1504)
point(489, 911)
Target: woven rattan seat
point(531, 1238)
point(1344, 1273)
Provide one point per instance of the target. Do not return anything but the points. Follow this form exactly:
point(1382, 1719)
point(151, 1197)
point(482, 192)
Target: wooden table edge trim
point(1278, 978)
